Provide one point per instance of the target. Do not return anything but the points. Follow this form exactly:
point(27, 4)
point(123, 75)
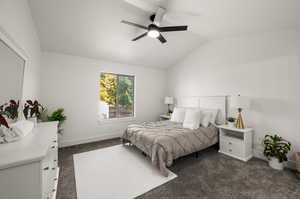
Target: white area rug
point(118, 172)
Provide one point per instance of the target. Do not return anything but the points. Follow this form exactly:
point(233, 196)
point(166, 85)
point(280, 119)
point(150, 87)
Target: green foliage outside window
point(117, 90)
point(108, 88)
point(126, 91)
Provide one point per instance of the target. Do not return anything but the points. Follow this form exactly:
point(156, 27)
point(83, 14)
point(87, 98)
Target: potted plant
point(3, 121)
point(32, 110)
point(276, 150)
point(231, 121)
point(11, 111)
point(59, 116)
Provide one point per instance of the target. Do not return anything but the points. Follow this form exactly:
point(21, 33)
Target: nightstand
point(236, 142)
point(164, 117)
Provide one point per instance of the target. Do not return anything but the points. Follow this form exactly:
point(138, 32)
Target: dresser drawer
point(232, 147)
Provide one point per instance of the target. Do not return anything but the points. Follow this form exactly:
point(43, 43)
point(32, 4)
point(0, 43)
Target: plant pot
point(298, 161)
point(33, 119)
point(231, 124)
point(275, 164)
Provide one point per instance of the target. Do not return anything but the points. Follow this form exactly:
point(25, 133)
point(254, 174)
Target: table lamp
point(169, 101)
point(240, 102)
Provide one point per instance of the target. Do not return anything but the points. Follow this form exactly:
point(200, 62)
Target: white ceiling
point(92, 28)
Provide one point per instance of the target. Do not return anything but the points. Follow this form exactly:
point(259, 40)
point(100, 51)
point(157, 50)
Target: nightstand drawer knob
point(230, 143)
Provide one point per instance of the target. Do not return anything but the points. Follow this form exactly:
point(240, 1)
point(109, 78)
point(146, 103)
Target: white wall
point(16, 20)
point(265, 67)
point(73, 83)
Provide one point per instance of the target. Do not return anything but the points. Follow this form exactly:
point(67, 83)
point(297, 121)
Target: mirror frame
point(13, 45)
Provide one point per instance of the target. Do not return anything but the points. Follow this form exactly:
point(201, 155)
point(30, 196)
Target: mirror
point(12, 67)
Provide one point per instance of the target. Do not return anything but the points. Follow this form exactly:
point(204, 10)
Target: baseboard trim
point(88, 140)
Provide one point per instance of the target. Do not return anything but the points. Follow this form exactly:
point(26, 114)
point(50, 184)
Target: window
point(116, 96)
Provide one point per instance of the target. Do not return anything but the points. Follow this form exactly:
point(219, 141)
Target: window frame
point(129, 118)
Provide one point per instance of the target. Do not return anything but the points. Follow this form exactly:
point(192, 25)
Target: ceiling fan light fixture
point(153, 33)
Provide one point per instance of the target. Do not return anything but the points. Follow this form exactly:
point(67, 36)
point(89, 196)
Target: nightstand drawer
point(235, 142)
point(232, 147)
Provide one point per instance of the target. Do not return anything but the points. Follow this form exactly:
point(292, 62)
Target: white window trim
point(121, 119)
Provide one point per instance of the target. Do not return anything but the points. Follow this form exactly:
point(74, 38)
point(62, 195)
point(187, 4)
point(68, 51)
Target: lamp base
point(239, 122)
point(169, 110)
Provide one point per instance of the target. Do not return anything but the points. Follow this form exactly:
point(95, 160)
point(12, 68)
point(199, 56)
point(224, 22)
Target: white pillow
point(192, 119)
point(206, 119)
point(214, 114)
point(178, 115)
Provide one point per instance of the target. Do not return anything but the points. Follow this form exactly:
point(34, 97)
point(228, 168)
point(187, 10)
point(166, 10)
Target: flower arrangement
point(3, 121)
point(32, 109)
point(9, 111)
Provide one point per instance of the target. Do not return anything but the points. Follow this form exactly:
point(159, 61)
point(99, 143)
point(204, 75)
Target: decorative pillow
point(192, 119)
point(214, 114)
point(178, 114)
point(206, 119)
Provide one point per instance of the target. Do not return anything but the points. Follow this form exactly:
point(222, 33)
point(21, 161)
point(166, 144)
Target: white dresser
point(28, 168)
point(236, 142)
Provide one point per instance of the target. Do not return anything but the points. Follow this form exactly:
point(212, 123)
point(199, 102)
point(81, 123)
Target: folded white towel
point(22, 127)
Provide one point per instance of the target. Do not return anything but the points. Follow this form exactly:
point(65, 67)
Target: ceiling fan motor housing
point(153, 27)
point(152, 17)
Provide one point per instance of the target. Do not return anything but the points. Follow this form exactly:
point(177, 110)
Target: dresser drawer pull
point(53, 147)
point(53, 190)
point(55, 160)
point(55, 179)
point(54, 141)
point(53, 168)
point(230, 143)
point(46, 168)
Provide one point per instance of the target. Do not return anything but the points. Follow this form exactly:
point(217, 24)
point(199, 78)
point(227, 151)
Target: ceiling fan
point(154, 30)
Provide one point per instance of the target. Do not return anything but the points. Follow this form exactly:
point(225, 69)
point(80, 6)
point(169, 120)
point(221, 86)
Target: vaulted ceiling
point(92, 28)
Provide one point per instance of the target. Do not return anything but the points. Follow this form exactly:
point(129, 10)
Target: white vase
point(275, 164)
point(34, 120)
point(231, 124)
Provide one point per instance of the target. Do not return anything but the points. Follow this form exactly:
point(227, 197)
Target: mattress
point(164, 141)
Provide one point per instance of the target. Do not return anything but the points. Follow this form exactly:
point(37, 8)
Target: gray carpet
point(211, 175)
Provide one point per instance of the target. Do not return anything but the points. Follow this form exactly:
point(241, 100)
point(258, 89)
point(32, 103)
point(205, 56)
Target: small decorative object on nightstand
point(236, 142)
point(240, 103)
point(164, 117)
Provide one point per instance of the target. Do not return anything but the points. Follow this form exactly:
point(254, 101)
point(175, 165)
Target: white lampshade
point(240, 102)
point(169, 100)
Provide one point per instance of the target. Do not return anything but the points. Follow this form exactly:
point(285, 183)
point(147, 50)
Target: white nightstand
point(164, 117)
point(236, 142)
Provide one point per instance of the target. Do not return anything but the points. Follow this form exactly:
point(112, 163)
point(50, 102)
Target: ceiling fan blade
point(134, 24)
point(161, 39)
point(173, 28)
point(139, 37)
point(144, 5)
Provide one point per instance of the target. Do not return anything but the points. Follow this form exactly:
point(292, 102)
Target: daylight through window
point(116, 96)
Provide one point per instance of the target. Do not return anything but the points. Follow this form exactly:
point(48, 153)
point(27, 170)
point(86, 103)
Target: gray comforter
point(165, 141)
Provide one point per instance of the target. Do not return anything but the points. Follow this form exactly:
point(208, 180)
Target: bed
point(165, 141)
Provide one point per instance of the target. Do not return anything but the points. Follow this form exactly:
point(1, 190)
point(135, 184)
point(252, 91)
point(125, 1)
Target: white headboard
point(215, 102)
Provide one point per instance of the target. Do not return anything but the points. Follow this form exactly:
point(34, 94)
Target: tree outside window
point(116, 96)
